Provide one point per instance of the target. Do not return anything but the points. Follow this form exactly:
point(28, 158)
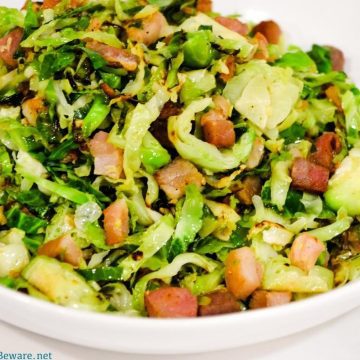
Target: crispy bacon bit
point(270, 29)
point(251, 186)
point(327, 145)
point(108, 159)
point(95, 25)
point(204, 6)
point(108, 90)
point(151, 30)
point(77, 3)
point(337, 58)
point(9, 45)
point(333, 94)
point(233, 24)
point(305, 251)
point(116, 222)
point(50, 4)
point(263, 299)
point(262, 52)
point(242, 273)
point(307, 176)
point(114, 56)
point(170, 302)
point(231, 65)
point(219, 302)
point(174, 178)
point(32, 108)
point(220, 133)
point(64, 248)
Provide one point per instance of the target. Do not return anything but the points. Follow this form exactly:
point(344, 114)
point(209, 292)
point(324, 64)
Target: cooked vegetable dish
point(159, 159)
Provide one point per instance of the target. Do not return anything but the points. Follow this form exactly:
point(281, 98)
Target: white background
point(326, 22)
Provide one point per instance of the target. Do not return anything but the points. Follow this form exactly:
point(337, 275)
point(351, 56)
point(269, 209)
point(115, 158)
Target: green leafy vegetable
point(190, 221)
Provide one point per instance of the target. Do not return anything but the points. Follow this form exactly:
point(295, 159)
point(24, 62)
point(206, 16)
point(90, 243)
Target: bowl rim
point(108, 318)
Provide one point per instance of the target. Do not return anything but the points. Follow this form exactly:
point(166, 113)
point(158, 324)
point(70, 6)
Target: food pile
point(160, 159)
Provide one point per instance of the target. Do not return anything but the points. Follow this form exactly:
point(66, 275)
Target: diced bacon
point(108, 90)
point(337, 58)
point(220, 133)
point(233, 24)
point(270, 29)
point(263, 299)
point(171, 302)
point(108, 159)
point(333, 94)
point(262, 52)
point(151, 30)
point(77, 3)
point(307, 176)
point(242, 273)
point(116, 222)
point(204, 6)
point(327, 145)
point(212, 115)
point(305, 251)
point(231, 65)
point(32, 108)
point(174, 178)
point(50, 4)
point(219, 302)
point(257, 154)
point(9, 45)
point(114, 56)
point(169, 109)
point(251, 186)
point(64, 248)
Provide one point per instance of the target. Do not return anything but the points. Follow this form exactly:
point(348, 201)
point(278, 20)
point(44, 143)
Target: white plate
point(308, 21)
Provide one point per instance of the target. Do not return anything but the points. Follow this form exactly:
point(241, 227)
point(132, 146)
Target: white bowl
point(307, 21)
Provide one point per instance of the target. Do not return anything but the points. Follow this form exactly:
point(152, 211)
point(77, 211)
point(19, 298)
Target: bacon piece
point(108, 90)
point(220, 302)
point(9, 45)
point(327, 145)
point(263, 299)
point(233, 24)
point(151, 30)
point(50, 4)
point(114, 56)
point(171, 302)
point(305, 251)
point(307, 176)
point(116, 222)
point(242, 273)
point(262, 52)
point(108, 159)
point(337, 58)
point(204, 6)
point(231, 65)
point(251, 186)
point(270, 29)
point(32, 108)
point(220, 133)
point(333, 94)
point(64, 248)
point(174, 178)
